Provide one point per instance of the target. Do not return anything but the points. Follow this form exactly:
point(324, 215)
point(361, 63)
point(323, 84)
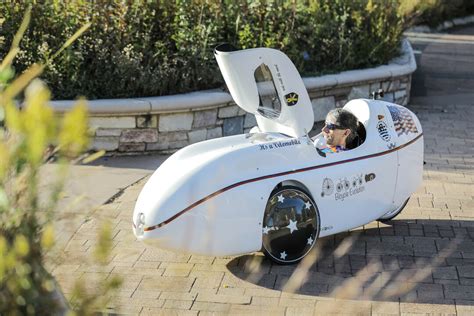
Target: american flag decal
point(402, 120)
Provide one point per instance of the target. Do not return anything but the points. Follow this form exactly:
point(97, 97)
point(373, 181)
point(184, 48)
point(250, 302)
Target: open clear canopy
point(265, 82)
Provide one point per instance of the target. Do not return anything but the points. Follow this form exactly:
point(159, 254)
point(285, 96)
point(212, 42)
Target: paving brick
point(125, 309)
point(458, 261)
point(406, 261)
point(127, 255)
point(158, 255)
point(262, 292)
point(467, 255)
point(174, 304)
point(146, 265)
point(152, 311)
point(201, 259)
point(416, 232)
point(257, 310)
point(389, 249)
point(146, 302)
point(413, 308)
point(463, 292)
point(178, 296)
point(249, 281)
point(430, 291)
point(466, 281)
point(297, 311)
point(390, 263)
point(293, 302)
point(203, 291)
point(210, 267)
point(387, 231)
point(217, 298)
point(231, 291)
point(211, 307)
point(343, 307)
point(66, 268)
point(393, 239)
point(174, 284)
point(130, 271)
point(464, 308)
point(146, 294)
point(265, 300)
point(466, 271)
point(385, 308)
point(170, 272)
point(208, 280)
point(445, 281)
point(446, 233)
point(445, 273)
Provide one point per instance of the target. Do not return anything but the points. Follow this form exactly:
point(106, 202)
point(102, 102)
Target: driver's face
point(334, 134)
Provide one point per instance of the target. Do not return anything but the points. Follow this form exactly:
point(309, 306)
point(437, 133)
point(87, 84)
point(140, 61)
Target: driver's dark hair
point(345, 119)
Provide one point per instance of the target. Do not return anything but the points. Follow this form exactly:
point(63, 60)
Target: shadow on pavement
point(416, 261)
point(144, 162)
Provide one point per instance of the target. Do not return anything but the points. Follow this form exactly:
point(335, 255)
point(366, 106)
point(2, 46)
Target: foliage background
point(28, 138)
point(434, 12)
point(165, 47)
point(161, 47)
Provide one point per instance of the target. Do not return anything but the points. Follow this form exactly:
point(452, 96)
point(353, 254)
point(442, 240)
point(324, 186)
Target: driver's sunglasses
point(331, 126)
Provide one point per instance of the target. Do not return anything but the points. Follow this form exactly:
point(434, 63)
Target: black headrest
point(359, 138)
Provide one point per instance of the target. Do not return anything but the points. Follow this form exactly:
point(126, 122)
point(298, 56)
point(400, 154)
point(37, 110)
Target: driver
point(339, 131)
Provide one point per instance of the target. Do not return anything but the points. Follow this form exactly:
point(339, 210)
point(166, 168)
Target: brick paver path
point(422, 262)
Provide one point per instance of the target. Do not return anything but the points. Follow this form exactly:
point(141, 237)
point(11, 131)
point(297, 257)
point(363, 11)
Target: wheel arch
point(294, 183)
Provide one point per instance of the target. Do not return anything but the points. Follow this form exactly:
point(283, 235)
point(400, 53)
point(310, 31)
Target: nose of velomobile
point(188, 202)
point(165, 203)
point(163, 194)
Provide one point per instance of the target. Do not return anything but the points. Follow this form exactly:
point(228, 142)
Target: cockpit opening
point(269, 106)
point(342, 131)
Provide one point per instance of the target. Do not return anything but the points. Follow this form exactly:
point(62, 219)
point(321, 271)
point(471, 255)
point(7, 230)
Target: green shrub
point(434, 12)
point(27, 138)
point(165, 47)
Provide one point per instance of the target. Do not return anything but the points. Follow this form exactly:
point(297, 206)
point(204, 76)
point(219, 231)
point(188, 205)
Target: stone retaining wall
point(165, 124)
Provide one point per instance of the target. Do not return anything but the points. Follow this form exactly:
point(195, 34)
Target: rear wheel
point(290, 225)
point(391, 215)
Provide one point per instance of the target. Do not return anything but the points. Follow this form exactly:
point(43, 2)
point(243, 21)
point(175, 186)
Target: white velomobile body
point(226, 196)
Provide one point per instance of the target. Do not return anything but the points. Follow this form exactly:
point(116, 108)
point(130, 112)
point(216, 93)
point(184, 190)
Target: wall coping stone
point(400, 66)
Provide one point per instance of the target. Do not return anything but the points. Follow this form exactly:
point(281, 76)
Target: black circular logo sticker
point(291, 98)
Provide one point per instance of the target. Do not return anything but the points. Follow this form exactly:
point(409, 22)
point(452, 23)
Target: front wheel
point(290, 225)
point(391, 215)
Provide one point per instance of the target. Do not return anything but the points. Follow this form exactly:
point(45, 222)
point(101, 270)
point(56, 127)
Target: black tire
point(290, 225)
point(394, 213)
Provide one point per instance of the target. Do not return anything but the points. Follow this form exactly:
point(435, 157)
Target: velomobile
point(271, 189)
